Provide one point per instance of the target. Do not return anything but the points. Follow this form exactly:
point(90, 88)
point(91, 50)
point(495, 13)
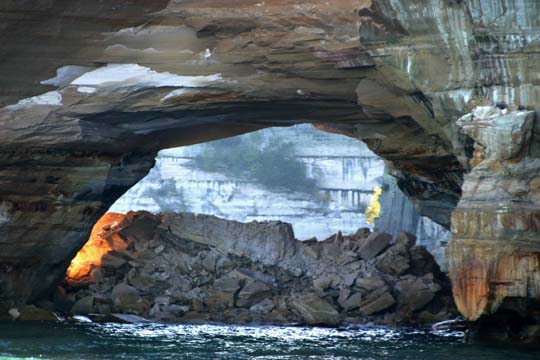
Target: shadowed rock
point(199, 268)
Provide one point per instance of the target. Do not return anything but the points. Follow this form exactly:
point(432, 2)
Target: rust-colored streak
point(89, 257)
point(470, 286)
point(484, 273)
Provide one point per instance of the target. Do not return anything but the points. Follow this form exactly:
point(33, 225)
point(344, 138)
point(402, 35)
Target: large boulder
point(395, 260)
point(373, 245)
point(252, 293)
point(368, 284)
point(222, 293)
point(83, 306)
point(422, 262)
point(416, 292)
point(314, 310)
point(351, 302)
point(126, 299)
point(376, 301)
point(268, 241)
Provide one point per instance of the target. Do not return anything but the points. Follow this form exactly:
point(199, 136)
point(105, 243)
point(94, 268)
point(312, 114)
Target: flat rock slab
point(373, 245)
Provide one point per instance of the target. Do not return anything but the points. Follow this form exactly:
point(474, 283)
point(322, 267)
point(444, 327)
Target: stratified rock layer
point(92, 90)
point(185, 267)
point(494, 255)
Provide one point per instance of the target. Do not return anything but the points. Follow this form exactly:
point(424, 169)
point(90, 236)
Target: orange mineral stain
point(99, 244)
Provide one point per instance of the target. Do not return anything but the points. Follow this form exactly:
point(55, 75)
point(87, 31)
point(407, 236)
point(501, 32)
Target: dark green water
point(158, 341)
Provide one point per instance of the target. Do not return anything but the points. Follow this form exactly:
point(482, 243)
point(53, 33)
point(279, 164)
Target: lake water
point(159, 341)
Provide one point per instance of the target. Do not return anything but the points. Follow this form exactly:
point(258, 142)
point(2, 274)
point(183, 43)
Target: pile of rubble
point(193, 268)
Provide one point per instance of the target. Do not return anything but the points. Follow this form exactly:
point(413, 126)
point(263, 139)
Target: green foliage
point(272, 165)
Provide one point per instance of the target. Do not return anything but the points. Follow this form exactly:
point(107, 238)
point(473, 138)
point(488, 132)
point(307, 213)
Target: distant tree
point(273, 164)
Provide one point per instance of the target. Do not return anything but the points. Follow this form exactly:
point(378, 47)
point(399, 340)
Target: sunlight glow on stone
point(89, 257)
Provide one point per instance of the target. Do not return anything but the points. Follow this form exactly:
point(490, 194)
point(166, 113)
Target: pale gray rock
point(501, 133)
point(415, 292)
point(314, 310)
point(373, 245)
point(208, 230)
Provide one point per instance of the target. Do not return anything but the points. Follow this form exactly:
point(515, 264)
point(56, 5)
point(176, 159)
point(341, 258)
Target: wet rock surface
point(193, 268)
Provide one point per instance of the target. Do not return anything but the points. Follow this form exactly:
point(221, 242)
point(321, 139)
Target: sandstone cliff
point(92, 90)
point(185, 267)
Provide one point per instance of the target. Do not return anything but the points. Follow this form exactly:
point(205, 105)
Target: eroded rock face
point(185, 267)
point(495, 250)
point(87, 104)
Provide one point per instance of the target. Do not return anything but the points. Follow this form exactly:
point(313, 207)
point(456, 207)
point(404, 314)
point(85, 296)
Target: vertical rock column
point(494, 255)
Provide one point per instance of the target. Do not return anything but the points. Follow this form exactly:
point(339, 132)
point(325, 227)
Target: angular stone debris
point(191, 71)
point(191, 268)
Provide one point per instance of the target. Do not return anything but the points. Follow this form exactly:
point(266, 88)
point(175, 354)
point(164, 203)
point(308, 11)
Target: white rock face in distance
point(345, 170)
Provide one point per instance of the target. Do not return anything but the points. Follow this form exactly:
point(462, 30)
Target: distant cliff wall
point(345, 171)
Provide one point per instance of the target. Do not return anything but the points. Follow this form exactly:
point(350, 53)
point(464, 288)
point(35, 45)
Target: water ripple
point(194, 342)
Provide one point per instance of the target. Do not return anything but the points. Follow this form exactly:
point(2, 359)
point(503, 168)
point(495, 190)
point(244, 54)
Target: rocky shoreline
point(200, 268)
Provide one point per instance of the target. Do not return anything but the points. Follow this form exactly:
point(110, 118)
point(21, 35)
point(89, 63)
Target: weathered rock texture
point(185, 267)
point(135, 77)
point(495, 251)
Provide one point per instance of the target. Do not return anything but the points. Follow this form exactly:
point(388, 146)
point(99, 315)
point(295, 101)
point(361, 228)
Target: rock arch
point(133, 78)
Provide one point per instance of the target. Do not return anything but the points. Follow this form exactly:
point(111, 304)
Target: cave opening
point(263, 227)
point(321, 183)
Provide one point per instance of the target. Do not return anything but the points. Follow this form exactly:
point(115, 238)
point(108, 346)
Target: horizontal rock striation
point(87, 105)
point(494, 255)
point(92, 90)
point(185, 268)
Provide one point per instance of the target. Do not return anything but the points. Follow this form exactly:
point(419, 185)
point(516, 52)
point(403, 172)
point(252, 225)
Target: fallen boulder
point(373, 245)
point(314, 310)
point(187, 268)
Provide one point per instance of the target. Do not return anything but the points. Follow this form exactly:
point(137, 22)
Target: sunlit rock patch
point(89, 257)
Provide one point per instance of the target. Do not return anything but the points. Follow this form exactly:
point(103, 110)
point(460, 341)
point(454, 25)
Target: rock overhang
point(392, 75)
